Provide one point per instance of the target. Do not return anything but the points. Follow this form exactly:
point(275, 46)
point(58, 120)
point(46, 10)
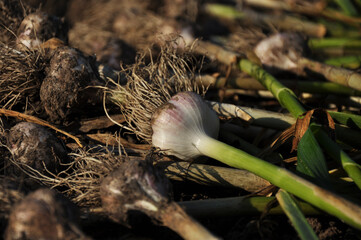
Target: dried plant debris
point(37, 28)
point(150, 86)
point(35, 147)
point(142, 29)
point(67, 87)
point(134, 22)
point(80, 181)
point(244, 39)
point(12, 12)
point(52, 7)
point(21, 74)
point(10, 193)
point(44, 214)
point(108, 49)
point(4, 151)
point(184, 10)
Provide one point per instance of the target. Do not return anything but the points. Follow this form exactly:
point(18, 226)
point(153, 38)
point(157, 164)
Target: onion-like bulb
point(180, 124)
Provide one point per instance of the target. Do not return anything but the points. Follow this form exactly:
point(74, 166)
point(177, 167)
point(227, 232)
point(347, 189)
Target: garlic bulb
point(180, 124)
point(34, 146)
point(135, 185)
point(44, 214)
point(282, 50)
point(39, 27)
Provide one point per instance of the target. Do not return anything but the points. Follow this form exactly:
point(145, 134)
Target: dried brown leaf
point(320, 116)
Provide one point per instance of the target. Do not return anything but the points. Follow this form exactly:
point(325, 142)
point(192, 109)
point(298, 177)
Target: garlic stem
point(338, 75)
point(214, 175)
point(183, 127)
point(317, 196)
point(176, 219)
point(258, 117)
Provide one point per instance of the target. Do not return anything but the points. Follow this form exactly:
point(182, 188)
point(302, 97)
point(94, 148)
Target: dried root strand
point(80, 179)
point(21, 74)
point(151, 85)
point(12, 13)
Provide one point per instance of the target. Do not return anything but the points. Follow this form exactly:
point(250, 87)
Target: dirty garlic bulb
point(44, 214)
point(281, 51)
point(180, 124)
point(38, 27)
point(34, 146)
point(137, 186)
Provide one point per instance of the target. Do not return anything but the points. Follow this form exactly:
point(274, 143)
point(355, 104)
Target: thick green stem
point(252, 84)
point(317, 43)
point(283, 22)
point(339, 30)
point(352, 62)
point(284, 95)
point(321, 87)
point(337, 15)
point(312, 8)
point(309, 192)
point(338, 75)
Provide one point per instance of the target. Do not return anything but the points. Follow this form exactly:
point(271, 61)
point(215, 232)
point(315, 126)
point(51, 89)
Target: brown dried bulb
point(139, 186)
point(66, 89)
point(38, 27)
point(44, 214)
point(135, 185)
point(35, 146)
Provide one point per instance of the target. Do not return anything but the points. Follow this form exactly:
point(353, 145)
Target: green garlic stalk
point(185, 127)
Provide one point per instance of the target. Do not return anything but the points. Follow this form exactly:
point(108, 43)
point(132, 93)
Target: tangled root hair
point(21, 74)
point(151, 85)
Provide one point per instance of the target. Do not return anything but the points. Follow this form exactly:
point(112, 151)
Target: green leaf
point(350, 120)
point(310, 159)
point(293, 212)
point(351, 167)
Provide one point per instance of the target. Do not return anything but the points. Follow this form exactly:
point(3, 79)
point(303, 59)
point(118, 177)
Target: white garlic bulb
point(282, 50)
point(180, 124)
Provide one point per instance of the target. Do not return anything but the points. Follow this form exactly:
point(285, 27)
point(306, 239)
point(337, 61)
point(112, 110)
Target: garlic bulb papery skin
point(180, 125)
point(281, 50)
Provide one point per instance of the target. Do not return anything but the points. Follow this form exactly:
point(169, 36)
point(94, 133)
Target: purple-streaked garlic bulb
point(281, 51)
point(44, 214)
point(38, 27)
point(35, 146)
point(135, 185)
point(66, 89)
point(180, 123)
